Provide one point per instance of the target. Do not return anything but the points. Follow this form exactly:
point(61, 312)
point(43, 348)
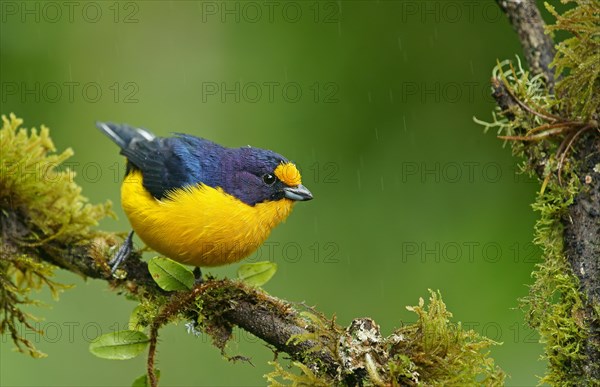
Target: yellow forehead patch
point(288, 174)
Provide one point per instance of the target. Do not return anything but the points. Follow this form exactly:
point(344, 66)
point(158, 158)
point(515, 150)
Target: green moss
point(554, 303)
point(578, 58)
point(542, 127)
point(40, 205)
point(305, 377)
point(324, 333)
point(19, 274)
point(32, 183)
point(435, 351)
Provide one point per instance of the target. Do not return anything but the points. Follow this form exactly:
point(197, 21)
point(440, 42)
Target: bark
point(582, 223)
point(537, 46)
point(582, 247)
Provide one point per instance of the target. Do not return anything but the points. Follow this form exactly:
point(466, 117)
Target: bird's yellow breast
point(200, 225)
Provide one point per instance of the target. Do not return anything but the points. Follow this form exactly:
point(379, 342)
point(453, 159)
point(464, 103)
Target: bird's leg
point(198, 275)
point(121, 255)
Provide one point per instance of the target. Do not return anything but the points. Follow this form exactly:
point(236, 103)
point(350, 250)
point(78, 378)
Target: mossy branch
point(47, 223)
point(555, 129)
point(538, 47)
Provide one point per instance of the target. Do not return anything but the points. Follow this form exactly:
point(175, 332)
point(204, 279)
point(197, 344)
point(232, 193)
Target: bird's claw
point(124, 251)
point(198, 276)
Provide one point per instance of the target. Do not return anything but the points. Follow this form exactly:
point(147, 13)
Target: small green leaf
point(121, 345)
point(170, 275)
point(143, 381)
point(257, 274)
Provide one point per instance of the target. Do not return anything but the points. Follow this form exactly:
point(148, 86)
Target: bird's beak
point(299, 193)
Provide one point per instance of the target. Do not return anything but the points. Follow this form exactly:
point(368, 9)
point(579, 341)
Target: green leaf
point(143, 381)
point(170, 275)
point(257, 274)
point(120, 345)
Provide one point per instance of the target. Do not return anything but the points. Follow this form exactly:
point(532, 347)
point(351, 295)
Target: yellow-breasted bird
point(200, 203)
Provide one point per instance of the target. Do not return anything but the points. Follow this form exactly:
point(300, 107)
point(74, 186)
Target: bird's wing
point(162, 169)
point(166, 163)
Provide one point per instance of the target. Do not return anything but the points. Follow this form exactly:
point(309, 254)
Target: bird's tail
point(123, 134)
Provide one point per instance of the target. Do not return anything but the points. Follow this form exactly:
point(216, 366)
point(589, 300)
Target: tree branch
point(273, 320)
point(268, 318)
point(537, 46)
point(314, 342)
point(581, 222)
point(582, 246)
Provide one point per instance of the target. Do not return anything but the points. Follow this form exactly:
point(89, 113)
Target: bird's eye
point(269, 179)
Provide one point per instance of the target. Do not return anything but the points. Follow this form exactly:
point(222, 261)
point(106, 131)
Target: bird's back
point(168, 163)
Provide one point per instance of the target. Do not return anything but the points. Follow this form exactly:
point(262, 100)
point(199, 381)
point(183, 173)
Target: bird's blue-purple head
point(256, 175)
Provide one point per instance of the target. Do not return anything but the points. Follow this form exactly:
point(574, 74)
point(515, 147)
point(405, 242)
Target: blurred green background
point(373, 100)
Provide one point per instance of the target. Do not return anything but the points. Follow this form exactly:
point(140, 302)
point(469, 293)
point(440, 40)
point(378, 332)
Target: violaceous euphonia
point(200, 203)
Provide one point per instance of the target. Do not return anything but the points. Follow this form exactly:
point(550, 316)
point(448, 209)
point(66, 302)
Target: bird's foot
point(198, 276)
point(124, 251)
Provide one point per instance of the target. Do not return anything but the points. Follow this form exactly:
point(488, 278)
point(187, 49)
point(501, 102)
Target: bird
point(200, 203)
